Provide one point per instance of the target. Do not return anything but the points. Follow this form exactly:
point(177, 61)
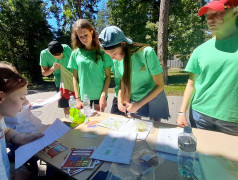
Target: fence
point(175, 63)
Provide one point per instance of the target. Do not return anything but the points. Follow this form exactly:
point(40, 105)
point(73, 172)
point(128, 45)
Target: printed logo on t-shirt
point(142, 68)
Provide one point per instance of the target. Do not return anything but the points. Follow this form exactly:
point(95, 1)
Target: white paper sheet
point(49, 100)
point(132, 126)
point(114, 123)
point(25, 152)
point(116, 147)
point(167, 140)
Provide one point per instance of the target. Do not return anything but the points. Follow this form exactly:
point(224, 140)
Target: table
point(208, 142)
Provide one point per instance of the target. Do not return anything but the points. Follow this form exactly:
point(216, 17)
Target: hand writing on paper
point(132, 107)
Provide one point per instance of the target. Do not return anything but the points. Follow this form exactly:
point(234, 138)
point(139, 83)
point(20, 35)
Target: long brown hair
point(129, 49)
point(10, 79)
point(76, 43)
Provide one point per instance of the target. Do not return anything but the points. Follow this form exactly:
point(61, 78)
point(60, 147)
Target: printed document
point(116, 147)
point(140, 127)
point(114, 123)
point(167, 140)
point(54, 132)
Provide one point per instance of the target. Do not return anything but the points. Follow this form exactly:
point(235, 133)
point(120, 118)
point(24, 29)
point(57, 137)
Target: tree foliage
point(24, 32)
point(139, 20)
point(186, 29)
point(131, 16)
point(68, 11)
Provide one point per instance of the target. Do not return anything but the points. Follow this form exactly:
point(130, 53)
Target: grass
point(176, 83)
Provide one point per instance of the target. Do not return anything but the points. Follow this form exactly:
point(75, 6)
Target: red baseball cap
point(217, 5)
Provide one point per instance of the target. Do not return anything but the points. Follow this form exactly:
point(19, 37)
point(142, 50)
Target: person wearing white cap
point(213, 85)
point(137, 73)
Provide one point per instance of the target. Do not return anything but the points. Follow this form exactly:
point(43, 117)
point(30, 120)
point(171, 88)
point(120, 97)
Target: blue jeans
point(202, 121)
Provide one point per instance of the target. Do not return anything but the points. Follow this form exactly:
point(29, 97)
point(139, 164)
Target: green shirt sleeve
point(72, 61)
point(108, 61)
point(68, 49)
point(152, 61)
point(193, 65)
point(43, 58)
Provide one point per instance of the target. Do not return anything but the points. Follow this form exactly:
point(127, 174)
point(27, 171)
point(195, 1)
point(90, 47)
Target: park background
point(171, 27)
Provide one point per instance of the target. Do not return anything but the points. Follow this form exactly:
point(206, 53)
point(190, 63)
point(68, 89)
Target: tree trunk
point(79, 9)
point(162, 50)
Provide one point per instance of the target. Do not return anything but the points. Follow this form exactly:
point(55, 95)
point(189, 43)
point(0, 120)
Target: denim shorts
point(157, 108)
point(202, 121)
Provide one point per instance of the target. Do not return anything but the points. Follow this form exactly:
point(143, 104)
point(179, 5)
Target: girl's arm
point(14, 137)
point(103, 101)
point(79, 103)
point(187, 97)
point(159, 86)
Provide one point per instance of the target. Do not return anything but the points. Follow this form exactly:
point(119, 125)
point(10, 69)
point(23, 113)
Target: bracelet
point(77, 98)
point(181, 114)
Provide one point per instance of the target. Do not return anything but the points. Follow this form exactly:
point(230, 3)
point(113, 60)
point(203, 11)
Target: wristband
point(181, 114)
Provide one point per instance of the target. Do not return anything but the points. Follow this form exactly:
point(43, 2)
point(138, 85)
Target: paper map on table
point(114, 123)
point(116, 147)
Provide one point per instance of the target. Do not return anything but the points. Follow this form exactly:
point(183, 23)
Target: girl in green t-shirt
point(137, 73)
point(212, 85)
point(91, 66)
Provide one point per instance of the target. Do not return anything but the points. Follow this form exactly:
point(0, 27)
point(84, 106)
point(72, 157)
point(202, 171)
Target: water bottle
point(72, 102)
point(187, 152)
point(86, 105)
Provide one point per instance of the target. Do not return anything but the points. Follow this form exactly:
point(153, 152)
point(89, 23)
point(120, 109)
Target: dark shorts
point(94, 102)
point(157, 108)
point(62, 103)
point(114, 109)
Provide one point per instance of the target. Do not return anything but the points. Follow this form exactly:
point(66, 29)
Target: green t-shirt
point(91, 74)
point(47, 60)
point(144, 65)
point(216, 88)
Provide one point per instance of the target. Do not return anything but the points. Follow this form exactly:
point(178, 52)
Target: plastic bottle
point(72, 102)
point(187, 152)
point(86, 105)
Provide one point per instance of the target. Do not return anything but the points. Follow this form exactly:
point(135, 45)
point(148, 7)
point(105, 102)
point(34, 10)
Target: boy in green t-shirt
point(213, 85)
point(51, 59)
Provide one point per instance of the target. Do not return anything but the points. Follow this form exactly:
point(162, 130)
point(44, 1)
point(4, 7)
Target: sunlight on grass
point(48, 79)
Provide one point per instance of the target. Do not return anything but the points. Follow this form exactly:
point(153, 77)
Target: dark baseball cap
point(55, 48)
